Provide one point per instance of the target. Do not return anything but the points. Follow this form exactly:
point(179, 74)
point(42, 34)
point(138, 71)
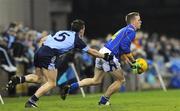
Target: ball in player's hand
point(143, 65)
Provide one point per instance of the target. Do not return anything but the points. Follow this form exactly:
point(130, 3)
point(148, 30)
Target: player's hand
point(108, 57)
point(135, 68)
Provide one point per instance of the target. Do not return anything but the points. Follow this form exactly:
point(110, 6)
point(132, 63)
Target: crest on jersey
point(51, 66)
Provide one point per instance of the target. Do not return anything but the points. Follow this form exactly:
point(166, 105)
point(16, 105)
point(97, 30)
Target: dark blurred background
point(104, 16)
point(101, 16)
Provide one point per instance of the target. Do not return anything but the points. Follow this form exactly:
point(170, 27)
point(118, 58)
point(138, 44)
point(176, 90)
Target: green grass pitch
point(129, 101)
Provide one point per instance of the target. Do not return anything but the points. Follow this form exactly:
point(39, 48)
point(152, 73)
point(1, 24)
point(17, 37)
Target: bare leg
point(97, 79)
point(37, 77)
point(116, 85)
point(51, 76)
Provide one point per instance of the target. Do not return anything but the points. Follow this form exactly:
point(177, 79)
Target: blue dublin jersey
point(121, 41)
point(55, 45)
point(64, 41)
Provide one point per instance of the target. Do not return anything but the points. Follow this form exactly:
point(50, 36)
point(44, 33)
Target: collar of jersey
point(131, 26)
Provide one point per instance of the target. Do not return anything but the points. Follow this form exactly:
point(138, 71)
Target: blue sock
point(74, 86)
point(104, 99)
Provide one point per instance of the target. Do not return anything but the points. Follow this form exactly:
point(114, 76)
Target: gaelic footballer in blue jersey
point(45, 59)
point(119, 46)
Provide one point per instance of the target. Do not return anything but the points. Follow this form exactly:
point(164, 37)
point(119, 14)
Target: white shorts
point(105, 65)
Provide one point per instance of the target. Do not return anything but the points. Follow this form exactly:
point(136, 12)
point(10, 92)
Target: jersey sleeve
point(126, 42)
point(80, 44)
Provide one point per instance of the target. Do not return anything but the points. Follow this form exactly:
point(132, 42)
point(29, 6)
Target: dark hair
point(131, 16)
point(77, 25)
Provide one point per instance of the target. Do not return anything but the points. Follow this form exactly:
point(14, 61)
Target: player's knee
point(52, 84)
point(122, 79)
point(38, 79)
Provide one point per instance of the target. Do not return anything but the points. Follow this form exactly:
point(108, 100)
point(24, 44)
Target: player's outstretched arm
point(95, 53)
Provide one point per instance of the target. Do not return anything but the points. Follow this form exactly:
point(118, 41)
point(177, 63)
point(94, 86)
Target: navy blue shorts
point(46, 57)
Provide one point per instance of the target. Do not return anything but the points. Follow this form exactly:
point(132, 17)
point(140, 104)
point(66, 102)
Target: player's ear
point(81, 32)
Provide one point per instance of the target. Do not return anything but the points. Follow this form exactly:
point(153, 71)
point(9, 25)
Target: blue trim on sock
point(74, 86)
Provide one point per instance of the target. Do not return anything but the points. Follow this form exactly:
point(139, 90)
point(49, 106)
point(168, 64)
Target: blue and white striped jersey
point(121, 41)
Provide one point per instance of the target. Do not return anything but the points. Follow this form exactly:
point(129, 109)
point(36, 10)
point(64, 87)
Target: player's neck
point(133, 26)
